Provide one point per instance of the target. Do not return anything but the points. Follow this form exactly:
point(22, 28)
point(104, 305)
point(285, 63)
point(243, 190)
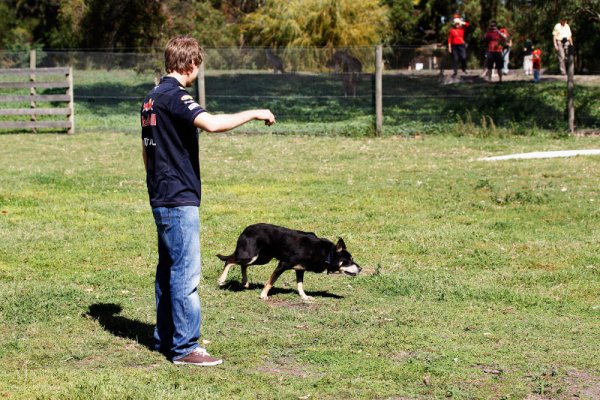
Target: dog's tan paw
point(308, 299)
point(221, 283)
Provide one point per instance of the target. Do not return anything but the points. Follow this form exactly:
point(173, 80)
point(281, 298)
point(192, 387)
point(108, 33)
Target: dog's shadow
point(107, 315)
point(235, 286)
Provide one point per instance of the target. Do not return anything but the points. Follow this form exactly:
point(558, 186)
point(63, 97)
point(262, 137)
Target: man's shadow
point(107, 316)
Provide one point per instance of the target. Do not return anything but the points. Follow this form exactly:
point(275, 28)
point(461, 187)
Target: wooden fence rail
point(34, 79)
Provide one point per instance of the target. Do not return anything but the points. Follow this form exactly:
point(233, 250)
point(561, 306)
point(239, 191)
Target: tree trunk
point(489, 10)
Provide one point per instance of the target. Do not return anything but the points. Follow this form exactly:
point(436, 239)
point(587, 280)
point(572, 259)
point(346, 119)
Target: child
point(536, 59)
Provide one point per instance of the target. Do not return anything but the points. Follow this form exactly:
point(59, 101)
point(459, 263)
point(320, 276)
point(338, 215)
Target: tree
point(534, 19)
point(7, 25)
point(235, 10)
point(403, 22)
point(591, 8)
point(199, 19)
point(320, 23)
point(67, 31)
point(116, 24)
point(489, 12)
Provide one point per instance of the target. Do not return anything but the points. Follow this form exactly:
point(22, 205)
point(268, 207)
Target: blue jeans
point(505, 61)
point(178, 313)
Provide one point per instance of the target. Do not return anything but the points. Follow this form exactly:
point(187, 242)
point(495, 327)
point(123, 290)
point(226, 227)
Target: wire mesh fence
point(324, 91)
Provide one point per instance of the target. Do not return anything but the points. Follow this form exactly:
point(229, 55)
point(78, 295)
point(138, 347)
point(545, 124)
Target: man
point(456, 44)
point(561, 35)
point(170, 119)
point(493, 37)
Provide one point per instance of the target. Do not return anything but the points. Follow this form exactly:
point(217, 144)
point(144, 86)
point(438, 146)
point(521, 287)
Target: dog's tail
point(228, 259)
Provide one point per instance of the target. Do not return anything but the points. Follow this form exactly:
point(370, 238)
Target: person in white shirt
point(562, 34)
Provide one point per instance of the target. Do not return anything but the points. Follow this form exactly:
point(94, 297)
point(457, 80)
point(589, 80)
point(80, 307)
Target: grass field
point(481, 279)
point(314, 103)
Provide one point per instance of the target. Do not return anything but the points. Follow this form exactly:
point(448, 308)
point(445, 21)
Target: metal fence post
point(32, 90)
point(71, 105)
point(201, 86)
point(570, 86)
point(379, 90)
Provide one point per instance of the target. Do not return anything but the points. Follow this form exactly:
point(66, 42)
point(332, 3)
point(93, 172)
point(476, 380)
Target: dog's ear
point(340, 245)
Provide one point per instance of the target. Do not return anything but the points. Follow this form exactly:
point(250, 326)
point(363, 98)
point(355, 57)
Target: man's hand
point(267, 116)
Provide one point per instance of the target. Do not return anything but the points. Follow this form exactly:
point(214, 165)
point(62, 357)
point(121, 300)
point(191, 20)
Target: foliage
point(143, 25)
point(536, 18)
point(317, 23)
point(234, 10)
point(68, 32)
point(404, 21)
point(199, 19)
point(122, 24)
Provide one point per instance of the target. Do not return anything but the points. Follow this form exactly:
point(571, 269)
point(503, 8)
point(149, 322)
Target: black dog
point(301, 251)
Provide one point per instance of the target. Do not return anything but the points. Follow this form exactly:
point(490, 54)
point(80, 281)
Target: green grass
point(314, 104)
point(481, 279)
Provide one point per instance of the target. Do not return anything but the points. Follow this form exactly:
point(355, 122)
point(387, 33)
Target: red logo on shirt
point(148, 105)
point(150, 120)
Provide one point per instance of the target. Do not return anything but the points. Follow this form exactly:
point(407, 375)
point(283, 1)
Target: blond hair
point(181, 54)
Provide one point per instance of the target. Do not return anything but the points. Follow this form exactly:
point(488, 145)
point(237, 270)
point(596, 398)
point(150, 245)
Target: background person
point(170, 119)
point(536, 61)
point(527, 57)
point(456, 44)
point(560, 35)
point(507, 44)
point(493, 37)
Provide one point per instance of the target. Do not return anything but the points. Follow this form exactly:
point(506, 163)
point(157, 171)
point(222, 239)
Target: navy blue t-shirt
point(171, 142)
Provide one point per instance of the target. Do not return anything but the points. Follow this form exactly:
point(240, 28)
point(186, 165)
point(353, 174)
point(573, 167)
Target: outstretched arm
point(224, 122)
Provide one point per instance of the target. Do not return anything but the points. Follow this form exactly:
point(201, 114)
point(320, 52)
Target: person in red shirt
point(536, 59)
point(494, 39)
point(456, 44)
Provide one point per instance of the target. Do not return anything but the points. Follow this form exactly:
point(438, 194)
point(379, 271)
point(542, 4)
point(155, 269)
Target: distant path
point(543, 154)
point(477, 76)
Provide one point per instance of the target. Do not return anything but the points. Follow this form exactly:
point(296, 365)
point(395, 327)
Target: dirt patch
point(90, 361)
point(583, 385)
point(278, 303)
point(571, 385)
point(587, 133)
point(403, 356)
point(287, 367)
point(490, 369)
